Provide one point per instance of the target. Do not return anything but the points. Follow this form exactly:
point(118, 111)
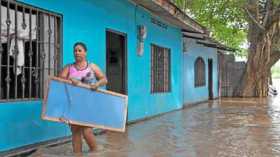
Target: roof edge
point(172, 9)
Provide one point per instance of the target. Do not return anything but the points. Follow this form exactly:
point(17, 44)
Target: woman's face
point(79, 53)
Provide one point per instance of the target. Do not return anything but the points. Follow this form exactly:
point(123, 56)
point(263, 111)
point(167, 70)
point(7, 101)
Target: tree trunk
point(254, 82)
point(256, 75)
point(270, 77)
point(262, 36)
point(261, 58)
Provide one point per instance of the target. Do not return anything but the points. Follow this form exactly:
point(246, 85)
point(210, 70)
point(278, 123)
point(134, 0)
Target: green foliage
point(226, 20)
point(277, 2)
point(275, 71)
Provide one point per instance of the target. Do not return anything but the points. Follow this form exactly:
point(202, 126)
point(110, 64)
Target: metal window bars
point(160, 69)
point(29, 50)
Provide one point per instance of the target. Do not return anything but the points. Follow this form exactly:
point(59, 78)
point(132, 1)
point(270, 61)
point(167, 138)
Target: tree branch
point(274, 18)
point(268, 11)
point(254, 19)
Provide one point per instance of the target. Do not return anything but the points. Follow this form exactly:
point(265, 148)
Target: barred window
point(160, 69)
point(29, 50)
point(199, 72)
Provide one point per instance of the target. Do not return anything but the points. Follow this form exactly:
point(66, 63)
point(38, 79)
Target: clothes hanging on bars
point(23, 33)
point(20, 55)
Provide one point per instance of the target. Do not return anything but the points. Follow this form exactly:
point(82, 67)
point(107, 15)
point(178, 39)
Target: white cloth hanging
point(20, 55)
point(22, 33)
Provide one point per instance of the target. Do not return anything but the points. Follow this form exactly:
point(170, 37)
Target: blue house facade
point(209, 88)
point(138, 45)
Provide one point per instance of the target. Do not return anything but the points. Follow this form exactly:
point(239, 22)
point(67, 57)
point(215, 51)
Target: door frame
point(108, 30)
point(210, 79)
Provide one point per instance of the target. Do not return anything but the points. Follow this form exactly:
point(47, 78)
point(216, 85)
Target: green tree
point(224, 18)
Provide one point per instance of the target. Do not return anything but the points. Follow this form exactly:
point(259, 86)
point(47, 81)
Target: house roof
point(171, 13)
point(205, 40)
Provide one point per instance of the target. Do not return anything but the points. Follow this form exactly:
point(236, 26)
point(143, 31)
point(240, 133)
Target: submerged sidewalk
point(227, 127)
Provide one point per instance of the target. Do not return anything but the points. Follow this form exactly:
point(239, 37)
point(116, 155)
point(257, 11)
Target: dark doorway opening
point(210, 78)
point(116, 61)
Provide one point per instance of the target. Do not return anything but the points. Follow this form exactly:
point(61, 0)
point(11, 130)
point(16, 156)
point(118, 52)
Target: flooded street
point(228, 127)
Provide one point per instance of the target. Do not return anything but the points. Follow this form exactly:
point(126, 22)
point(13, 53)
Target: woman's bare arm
point(102, 80)
point(64, 73)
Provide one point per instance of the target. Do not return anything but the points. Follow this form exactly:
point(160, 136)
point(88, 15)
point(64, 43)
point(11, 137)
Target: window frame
point(199, 72)
point(164, 87)
point(55, 49)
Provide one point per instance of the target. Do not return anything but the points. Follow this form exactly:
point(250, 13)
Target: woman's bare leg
point(89, 137)
point(76, 138)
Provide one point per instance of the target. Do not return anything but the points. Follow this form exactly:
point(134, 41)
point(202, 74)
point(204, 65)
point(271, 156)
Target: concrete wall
point(231, 74)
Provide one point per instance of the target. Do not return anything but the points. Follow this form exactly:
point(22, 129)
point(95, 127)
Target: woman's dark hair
point(81, 44)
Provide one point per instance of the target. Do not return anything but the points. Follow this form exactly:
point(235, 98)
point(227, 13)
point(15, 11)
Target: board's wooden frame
point(44, 117)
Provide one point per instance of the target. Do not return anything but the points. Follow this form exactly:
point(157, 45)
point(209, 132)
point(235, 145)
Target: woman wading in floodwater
point(83, 71)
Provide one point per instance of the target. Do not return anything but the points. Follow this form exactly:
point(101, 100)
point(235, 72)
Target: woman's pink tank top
point(85, 75)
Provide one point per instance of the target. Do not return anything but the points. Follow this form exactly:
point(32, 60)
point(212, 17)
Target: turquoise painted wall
point(141, 102)
point(21, 125)
point(196, 94)
point(87, 20)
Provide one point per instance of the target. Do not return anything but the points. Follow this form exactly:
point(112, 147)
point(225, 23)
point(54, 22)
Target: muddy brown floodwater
point(219, 128)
